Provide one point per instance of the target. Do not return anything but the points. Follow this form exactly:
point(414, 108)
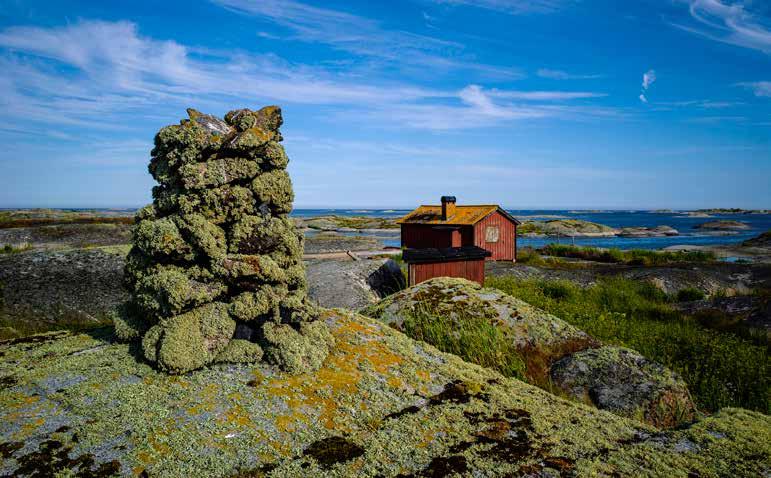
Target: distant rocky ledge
point(722, 225)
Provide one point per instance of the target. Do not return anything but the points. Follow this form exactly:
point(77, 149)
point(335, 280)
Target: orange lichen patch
point(286, 423)
point(339, 376)
point(160, 447)
point(179, 381)
point(208, 402)
point(238, 416)
point(423, 375)
point(145, 458)
point(19, 400)
point(394, 382)
point(427, 437)
point(30, 426)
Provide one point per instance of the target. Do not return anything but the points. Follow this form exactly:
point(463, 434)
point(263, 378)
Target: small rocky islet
point(219, 363)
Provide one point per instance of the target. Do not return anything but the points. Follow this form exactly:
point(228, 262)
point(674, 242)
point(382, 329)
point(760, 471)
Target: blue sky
point(526, 103)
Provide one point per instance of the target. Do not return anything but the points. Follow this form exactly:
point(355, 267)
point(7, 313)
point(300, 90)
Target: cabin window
point(491, 234)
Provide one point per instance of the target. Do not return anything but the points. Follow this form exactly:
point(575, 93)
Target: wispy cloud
point(513, 7)
point(545, 95)
point(759, 88)
point(649, 77)
point(363, 36)
point(113, 75)
point(113, 70)
point(563, 75)
point(699, 104)
point(731, 23)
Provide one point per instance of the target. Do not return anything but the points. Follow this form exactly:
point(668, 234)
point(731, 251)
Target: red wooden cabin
point(449, 225)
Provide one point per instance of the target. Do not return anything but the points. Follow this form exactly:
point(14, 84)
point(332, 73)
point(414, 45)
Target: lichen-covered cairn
point(216, 272)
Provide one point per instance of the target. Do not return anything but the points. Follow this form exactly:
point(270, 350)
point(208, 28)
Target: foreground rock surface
point(380, 405)
point(624, 382)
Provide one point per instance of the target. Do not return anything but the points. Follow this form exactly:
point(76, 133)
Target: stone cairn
point(215, 272)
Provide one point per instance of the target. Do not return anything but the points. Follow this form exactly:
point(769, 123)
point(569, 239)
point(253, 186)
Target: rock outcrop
point(722, 225)
point(574, 228)
point(215, 272)
point(658, 231)
point(380, 405)
point(353, 284)
point(626, 383)
point(552, 350)
point(539, 337)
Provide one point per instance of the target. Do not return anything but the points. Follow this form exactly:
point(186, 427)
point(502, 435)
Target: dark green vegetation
point(721, 369)
point(13, 249)
point(639, 257)
point(474, 339)
point(689, 294)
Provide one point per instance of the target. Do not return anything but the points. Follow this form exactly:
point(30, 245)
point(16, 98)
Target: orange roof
point(464, 215)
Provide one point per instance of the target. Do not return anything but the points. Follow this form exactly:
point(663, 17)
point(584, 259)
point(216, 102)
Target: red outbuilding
point(454, 241)
point(449, 225)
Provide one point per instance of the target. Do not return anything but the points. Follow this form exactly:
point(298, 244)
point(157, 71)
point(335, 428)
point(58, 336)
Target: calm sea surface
point(684, 224)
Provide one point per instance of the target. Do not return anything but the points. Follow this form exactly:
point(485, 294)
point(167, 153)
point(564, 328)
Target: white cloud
point(513, 7)
point(563, 75)
point(96, 74)
point(731, 23)
point(363, 36)
point(545, 95)
point(759, 88)
point(649, 77)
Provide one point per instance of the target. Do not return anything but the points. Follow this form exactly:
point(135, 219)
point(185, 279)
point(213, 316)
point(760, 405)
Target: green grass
point(721, 369)
point(474, 339)
point(14, 249)
point(642, 257)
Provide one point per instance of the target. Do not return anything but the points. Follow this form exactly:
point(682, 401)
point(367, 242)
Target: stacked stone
point(215, 272)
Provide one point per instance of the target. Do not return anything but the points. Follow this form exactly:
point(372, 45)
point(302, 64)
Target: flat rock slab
point(381, 405)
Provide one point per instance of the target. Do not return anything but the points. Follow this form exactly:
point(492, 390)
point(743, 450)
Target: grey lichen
point(216, 270)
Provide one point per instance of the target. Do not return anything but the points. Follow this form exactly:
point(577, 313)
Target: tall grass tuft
point(474, 339)
point(721, 369)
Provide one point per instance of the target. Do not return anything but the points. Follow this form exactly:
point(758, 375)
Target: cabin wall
point(472, 270)
point(421, 236)
point(504, 249)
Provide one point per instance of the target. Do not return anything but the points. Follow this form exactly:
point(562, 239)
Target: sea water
point(684, 223)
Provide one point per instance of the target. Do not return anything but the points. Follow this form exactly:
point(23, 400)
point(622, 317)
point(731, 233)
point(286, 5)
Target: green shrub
point(471, 338)
point(11, 249)
point(528, 255)
point(689, 294)
point(721, 369)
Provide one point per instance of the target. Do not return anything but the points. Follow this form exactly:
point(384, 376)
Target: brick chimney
point(448, 207)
